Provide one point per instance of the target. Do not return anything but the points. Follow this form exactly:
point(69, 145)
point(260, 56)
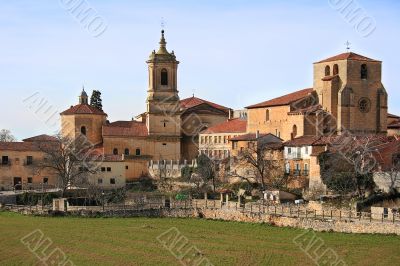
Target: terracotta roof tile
point(307, 110)
point(26, 146)
point(126, 129)
point(40, 138)
point(231, 126)
point(393, 116)
point(83, 109)
point(283, 100)
point(194, 101)
point(252, 137)
point(394, 125)
point(347, 56)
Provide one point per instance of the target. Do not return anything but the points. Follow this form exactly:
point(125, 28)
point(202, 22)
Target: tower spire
point(163, 44)
point(83, 98)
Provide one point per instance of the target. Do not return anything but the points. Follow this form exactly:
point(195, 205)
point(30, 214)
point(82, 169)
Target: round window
point(364, 105)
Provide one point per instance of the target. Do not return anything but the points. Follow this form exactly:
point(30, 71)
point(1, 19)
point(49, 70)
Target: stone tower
point(349, 87)
point(83, 119)
point(163, 106)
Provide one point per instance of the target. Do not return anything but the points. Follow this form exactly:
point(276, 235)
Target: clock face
point(364, 105)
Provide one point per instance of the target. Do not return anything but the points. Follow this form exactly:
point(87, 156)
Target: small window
point(165, 124)
point(29, 180)
point(164, 144)
point(112, 181)
point(115, 151)
point(267, 115)
point(100, 181)
point(335, 69)
point(126, 167)
point(137, 152)
point(108, 169)
point(45, 180)
point(4, 160)
point(103, 169)
point(29, 160)
point(327, 71)
point(289, 150)
point(306, 150)
point(83, 130)
point(164, 77)
point(126, 152)
point(364, 71)
point(294, 131)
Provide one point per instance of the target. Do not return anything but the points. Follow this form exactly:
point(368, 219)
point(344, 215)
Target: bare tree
point(72, 161)
point(260, 158)
point(6, 136)
point(207, 169)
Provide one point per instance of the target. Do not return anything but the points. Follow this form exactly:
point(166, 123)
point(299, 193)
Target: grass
point(133, 241)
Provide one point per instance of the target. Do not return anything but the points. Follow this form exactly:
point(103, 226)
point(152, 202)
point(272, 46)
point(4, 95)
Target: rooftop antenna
point(347, 46)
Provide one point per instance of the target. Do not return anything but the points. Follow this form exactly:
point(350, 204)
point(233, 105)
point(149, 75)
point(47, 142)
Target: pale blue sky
point(234, 53)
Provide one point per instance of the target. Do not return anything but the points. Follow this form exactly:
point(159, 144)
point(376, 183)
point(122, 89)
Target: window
point(83, 130)
point(112, 181)
point(294, 131)
point(327, 71)
point(137, 152)
point(289, 150)
point(364, 105)
point(164, 77)
point(126, 152)
point(165, 124)
point(364, 71)
point(115, 151)
point(267, 115)
point(126, 167)
point(45, 180)
point(29, 160)
point(108, 169)
point(100, 181)
point(219, 139)
point(29, 180)
point(202, 140)
point(4, 160)
point(103, 169)
point(306, 150)
point(215, 139)
point(306, 169)
point(335, 69)
point(164, 144)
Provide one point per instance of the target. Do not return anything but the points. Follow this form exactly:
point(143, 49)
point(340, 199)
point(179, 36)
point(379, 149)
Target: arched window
point(126, 152)
point(335, 69)
point(327, 71)
point(137, 152)
point(115, 151)
point(294, 131)
point(364, 71)
point(267, 115)
point(83, 130)
point(164, 77)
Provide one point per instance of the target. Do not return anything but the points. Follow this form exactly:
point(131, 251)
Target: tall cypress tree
point(95, 100)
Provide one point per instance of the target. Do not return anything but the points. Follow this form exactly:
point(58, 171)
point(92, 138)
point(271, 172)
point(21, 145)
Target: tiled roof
point(194, 101)
point(283, 100)
point(347, 56)
point(83, 109)
point(126, 129)
point(41, 138)
point(303, 141)
point(308, 110)
point(230, 126)
point(394, 125)
point(393, 116)
point(329, 78)
point(19, 146)
point(252, 137)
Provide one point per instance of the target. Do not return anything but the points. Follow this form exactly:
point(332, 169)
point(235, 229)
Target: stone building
point(347, 96)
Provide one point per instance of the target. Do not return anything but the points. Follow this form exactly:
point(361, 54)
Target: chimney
point(230, 114)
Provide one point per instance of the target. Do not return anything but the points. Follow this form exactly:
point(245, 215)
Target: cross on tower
point(162, 23)
point(347, 45)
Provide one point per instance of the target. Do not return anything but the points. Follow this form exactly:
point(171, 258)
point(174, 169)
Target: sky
point(234, 53)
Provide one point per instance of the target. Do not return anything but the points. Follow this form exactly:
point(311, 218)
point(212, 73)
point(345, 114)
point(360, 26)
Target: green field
point(133, 241)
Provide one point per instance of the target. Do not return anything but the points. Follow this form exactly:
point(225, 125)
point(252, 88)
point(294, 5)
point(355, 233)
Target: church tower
point(349, 87)
point(163, 106)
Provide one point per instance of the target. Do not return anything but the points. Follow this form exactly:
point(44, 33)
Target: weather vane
point(162, 23)
point(347, 45)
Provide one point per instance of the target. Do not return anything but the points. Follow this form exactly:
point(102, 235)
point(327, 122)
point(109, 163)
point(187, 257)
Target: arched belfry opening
point(164, 77)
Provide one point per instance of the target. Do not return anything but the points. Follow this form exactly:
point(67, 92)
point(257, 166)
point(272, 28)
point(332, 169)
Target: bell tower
point(163, 106)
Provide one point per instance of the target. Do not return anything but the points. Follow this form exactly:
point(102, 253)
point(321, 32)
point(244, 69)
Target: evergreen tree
point(95, 100)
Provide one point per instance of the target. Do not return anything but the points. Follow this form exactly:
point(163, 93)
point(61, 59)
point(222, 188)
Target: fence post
point(251, 208)
point(393, 216)
point(382, 217)
point(236, 206)
point(360, 215)
point(290, 211)
point(298, 212)
point(340, 215)
point(275, 210)
point(206, 204)
point(306, 214)
point(315, 214)
point(323, 214)
point(214, 204)
point(331, 215)
point(370, 217)
point(196, 204)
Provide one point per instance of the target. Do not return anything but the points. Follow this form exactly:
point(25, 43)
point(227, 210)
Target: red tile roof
point(307, 110)
point(394, 125)
point(283, 100)
point(126, 129)
point(40, 138)
point(347, 56)
point(19, 146)
point(252, 137)
point(83, 109)
point(304, 141)
point(194, 101)
point(230, 126)
point(392, 116)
